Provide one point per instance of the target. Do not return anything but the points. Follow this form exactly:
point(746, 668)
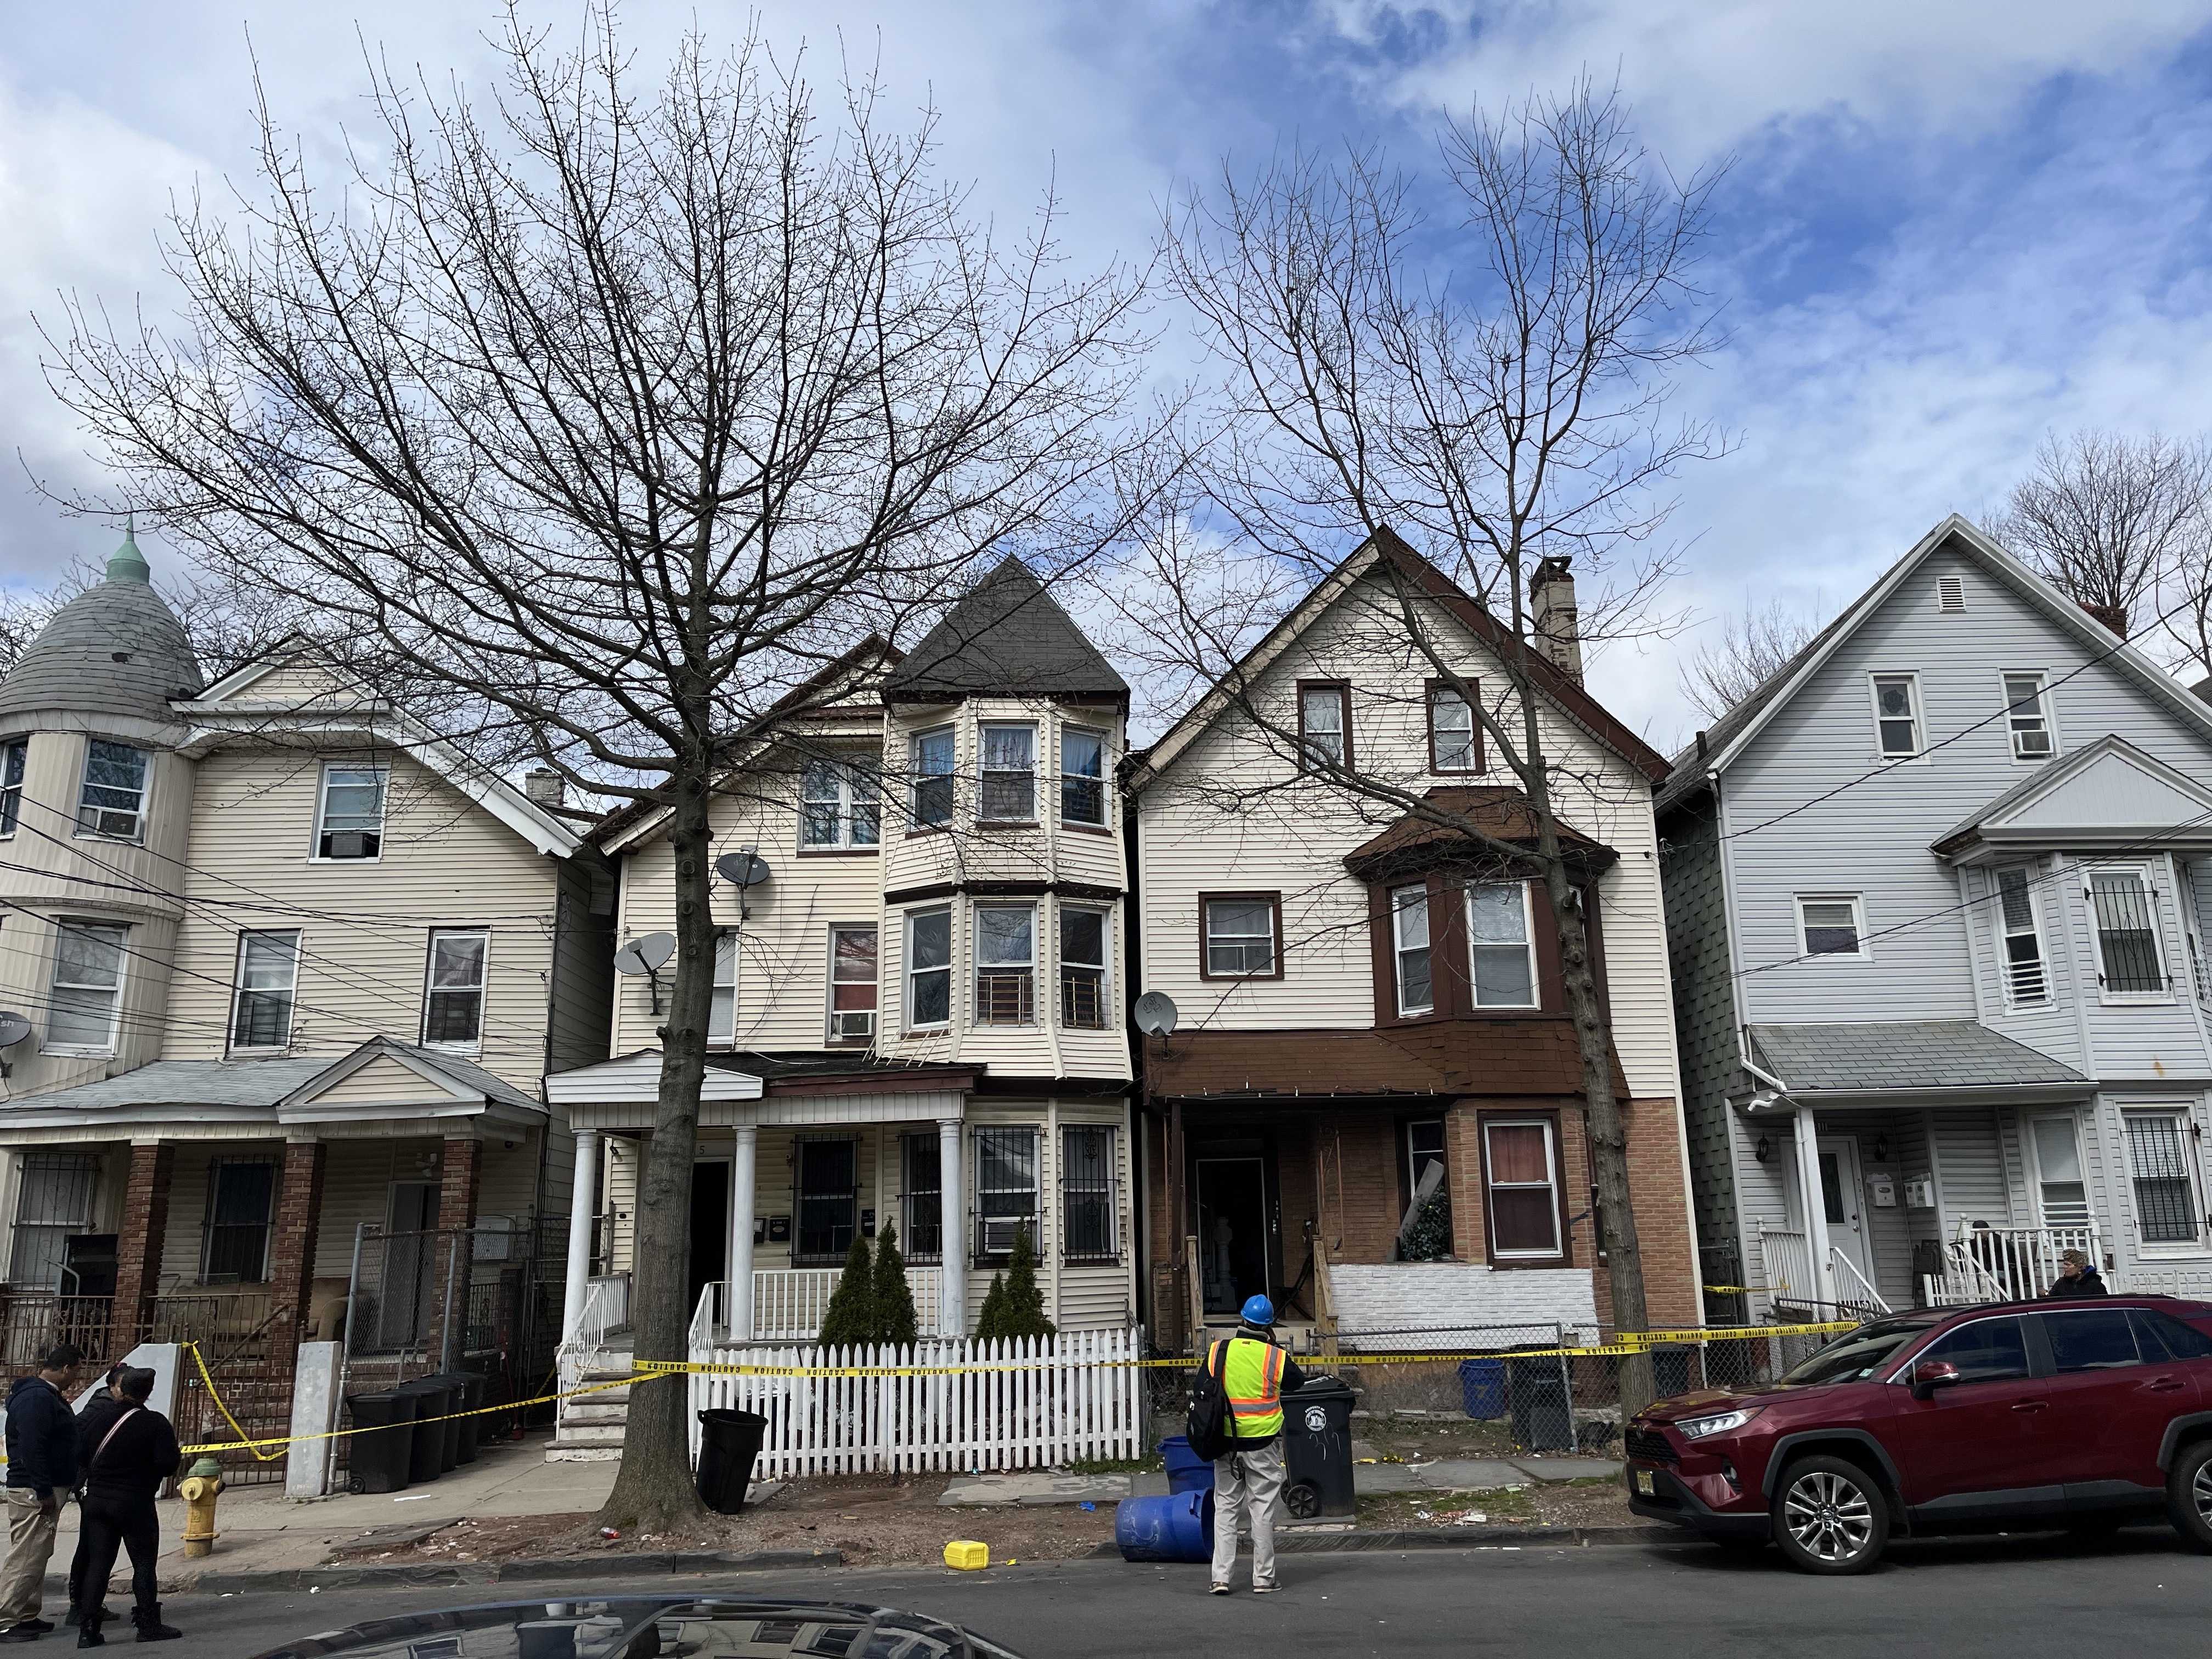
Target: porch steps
point(591, 1426)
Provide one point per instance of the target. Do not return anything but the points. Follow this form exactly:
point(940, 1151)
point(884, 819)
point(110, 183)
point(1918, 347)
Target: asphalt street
point(2017, 1597)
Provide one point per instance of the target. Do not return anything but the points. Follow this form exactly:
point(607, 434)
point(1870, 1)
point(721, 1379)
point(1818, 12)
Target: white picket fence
point(1026, 1404)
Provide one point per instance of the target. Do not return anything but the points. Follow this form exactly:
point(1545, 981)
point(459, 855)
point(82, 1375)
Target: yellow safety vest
point(1253, 1380)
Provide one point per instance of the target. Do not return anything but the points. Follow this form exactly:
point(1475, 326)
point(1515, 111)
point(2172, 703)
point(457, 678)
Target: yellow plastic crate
point(966, 1555)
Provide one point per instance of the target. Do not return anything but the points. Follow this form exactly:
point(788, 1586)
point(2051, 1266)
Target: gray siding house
point(1936, 898)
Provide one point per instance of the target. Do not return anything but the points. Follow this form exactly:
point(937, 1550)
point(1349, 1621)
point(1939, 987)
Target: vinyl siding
point(1704, 1014)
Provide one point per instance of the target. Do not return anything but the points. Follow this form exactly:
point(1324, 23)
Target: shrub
point(894, 1299)
point(1020, 1306)
point(850, 1318)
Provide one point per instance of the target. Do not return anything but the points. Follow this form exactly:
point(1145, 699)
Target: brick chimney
point(1551, 599)
point(2114, 616)
point(542, 785)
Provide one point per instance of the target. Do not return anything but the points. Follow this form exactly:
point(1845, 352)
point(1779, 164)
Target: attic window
point(1950, 593)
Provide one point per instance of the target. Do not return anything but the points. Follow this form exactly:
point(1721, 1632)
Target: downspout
point(1804, 1140)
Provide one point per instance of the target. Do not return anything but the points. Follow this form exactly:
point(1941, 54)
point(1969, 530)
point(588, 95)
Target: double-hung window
point(453, 998)
point(1243, 932)
point(85, 1004)
point(2160, 1146)
point(1503, 945)
point(921, 1225)
point(53, 1203)
point(1521, 1169)
point(1322, 724)
point(1830, 924)
point(1005, 964)
point(829, 1197)
point(1006, 1188)
point(930, 758)
point(349, 816)
point(1453, 743)
point(2129, 961)
point(1009, 775)
point(1082, 776)
point(852, 984)
point(1409, 930)
point(268, 978)
point(242, 1197)
point(928, 969)
point(1089, 1231)
point(722, 1009)
point(2024, 978)
point(13, 758)
point(839, 802)
point(2062, 1191)
point(112, 801)
point(2026, 718)
point(1083, 937)
point(1897, 715)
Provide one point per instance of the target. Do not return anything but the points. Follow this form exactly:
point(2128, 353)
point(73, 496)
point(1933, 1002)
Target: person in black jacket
point(107, 1391)
point(127, 1450)
point(2077, 1276)
point(41, 1468)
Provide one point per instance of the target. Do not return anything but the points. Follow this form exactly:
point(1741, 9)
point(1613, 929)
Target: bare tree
point(1509, 411)
point(1752, 649)
point(604, 418)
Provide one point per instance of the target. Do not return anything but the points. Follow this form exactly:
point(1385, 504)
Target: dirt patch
point(873, 1520)
point(1564, 1504)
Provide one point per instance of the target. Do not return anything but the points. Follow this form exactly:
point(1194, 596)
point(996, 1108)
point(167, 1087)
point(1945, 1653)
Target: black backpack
point(1211, 1425)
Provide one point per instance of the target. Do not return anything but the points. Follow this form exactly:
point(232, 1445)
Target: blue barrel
point(1482, 1387)
point(1186, 1470)
point(1176, 1528)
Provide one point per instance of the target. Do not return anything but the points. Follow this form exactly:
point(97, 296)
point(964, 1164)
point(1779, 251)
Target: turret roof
point(1006, 637)
point(115, 649)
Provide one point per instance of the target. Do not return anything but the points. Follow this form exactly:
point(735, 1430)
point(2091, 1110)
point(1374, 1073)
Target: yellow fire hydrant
point(198, 1489)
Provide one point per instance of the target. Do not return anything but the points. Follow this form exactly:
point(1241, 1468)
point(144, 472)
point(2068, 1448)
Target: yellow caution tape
point(236, 1427)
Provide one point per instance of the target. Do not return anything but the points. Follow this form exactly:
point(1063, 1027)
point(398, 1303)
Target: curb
point(346, 1576)
point(1446, 1537)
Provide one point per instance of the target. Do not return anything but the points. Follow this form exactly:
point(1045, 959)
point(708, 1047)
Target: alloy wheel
point(1830, 1517)
point(2200, 1491)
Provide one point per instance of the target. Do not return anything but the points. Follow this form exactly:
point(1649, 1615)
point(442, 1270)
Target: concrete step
point(583, 1454)
point(589, 1434)
point(583, 1411)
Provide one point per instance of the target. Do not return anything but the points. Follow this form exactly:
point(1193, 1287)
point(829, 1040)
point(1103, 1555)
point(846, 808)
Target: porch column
point(458, 1178)
point(583, 1208)
point(299, 1216)
point(739, 1302)
point(1807, 1136)
point(952, 1228)
point(145, 1227)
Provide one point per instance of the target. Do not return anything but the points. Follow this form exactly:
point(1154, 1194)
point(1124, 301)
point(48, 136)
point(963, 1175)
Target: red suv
point(2081, 1414)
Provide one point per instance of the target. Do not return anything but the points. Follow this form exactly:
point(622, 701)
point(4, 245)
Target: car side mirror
point(1931, 1375)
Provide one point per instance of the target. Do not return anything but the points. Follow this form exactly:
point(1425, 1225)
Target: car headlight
point(1700, 1428)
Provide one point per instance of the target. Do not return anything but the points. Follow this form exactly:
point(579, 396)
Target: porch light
point(1881, 1149)
point(1764, 1151)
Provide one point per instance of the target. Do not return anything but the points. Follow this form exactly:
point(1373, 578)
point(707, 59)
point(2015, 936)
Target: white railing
point(1016, 1404)
point(1786, 1261)
point(2012, 1264)
point(1854, 1293)
point(789, 1303)
point(606, 1310)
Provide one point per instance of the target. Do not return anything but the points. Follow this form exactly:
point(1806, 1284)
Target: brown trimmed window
point(1244, 934)
point(1409, 943)
point(1454, 740)
point(1520, 1181)
point(1324, 724)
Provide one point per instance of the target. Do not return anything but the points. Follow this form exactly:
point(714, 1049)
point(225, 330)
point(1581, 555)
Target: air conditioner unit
point(349, 844)
point(847, 1023)
point(999, 1233)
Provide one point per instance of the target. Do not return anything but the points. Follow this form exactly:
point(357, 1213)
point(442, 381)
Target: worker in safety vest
point(1254, 1374)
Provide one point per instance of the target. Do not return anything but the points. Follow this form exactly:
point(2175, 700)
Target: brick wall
point(145, 1226)
point(299, 1217)
point(460, 1175)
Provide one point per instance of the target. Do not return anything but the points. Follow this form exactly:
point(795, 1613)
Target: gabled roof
point(1870, 1056)
point(1570, 698)
point(441, 1084)
point(2108, 795)
point(1727, 738)
point(1006, 637)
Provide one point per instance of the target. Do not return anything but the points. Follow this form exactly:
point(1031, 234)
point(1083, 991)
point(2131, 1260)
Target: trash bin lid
point(1322, 1387)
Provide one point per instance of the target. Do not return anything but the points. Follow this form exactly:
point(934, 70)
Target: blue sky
point(1948, 228)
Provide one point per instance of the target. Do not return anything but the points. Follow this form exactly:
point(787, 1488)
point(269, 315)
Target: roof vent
point(1950, 593)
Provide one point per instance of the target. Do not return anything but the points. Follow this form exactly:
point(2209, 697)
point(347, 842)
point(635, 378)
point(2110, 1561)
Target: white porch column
point(583, 1201)
point(952, 1228)
point(1816, 1208)
point(742, 1168)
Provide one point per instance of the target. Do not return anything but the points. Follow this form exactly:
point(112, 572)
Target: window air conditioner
point(846, 1023)
point(999, 1233)
point(349, 844)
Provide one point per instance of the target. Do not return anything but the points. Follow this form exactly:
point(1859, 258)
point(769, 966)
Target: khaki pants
point(30, 1542)
point(1254, 1477)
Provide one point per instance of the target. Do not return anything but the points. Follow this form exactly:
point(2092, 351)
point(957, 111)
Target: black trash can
point(729, 1441)
point(377, 1460)
point(1670, 1372)
point(468, 1390)
point(1543, 1418)
point(1318, 1449)
point(426, 1458)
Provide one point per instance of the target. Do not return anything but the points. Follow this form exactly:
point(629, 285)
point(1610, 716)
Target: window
point(1006, 965)
point(852, 984)
point(1009, 793)
point(453, 1006)
point(1083, 968)
point(1521, 1172)
point(268, 976)
point(2159, 1149)
point(922, 1220)
point(1505, 955)
point(83, 1008)
point(1409, 931)
point(349, 819)
point(1987, 1350)
point(1453, 744)
point(234, 1246)
point(1830, 924)
point(1896, 715)
point(1321, 726)
point(1242, 934)
point(2162, 1335)
point(829, 1195)
point(1089, 1228)
point(722, 1010)
point(113, 799)
point(2023, 944)
point(2127, 934)
point(14, 758)
point(2063, 1193)
point(839, 804)
point(928, 969)
point(2093, 1339)
point(53, 1204)
point(1082, 776)
point(931, 758)
point(1005, 1187)
point(2025, 715)
point(1424, 1146)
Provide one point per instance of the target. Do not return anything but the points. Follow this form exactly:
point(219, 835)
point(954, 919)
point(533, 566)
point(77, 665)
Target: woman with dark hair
point(125, 1452)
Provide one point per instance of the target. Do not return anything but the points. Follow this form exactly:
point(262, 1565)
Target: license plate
point(1644, 1483)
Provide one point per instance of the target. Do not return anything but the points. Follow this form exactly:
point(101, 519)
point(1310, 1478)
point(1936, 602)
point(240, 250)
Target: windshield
point(1856, 1355)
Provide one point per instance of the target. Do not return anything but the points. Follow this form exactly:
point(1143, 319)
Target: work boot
point(88, 1630)
point(147, 1615)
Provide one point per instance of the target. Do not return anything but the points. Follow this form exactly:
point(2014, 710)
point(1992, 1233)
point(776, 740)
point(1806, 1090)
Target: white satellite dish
point(646, 956)
point(1155, 1013)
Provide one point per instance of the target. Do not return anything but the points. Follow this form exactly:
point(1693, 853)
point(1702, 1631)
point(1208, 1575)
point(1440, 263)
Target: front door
point(412, 1264)
point(1232, 1230)
point(710, 1225)
point(1843, 1196)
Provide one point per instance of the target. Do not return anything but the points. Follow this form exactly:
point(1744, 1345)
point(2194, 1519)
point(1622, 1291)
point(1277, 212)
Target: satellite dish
point(742, 868)
point(646, 955)
point(14, 1027)
point(1156, 1013)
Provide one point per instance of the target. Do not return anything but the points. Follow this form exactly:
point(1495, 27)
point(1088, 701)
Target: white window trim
point(983, 730)
point(917, 778)
point(1112, 1191)
point(1803, 951)
point(2143, 873)
point(383, 770)
point(1527, 944)
point(1062, 908)
point(19, 790)
point(978, 967)
point(1441, 695)
point(2072, 1121)
point(1558, 1250)
point(483, 989)
point(1399, 947)
point(843, 767)
point(2192, 1160)
point(724, 1039)
point(238, 989)
point(1912, 679)
point(83, 778)
point(907, 1024)
point(2034, 874)
point(830, 981)
point(1104, 779)
point(80, 1050)
point(2043, 706)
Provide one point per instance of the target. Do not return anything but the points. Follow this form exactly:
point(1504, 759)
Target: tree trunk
point(654, 1490)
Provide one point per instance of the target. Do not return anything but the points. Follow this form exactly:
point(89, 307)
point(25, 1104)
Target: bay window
point(113, 801)
point(2160, 1149)
point(928, 969)
point(1409, 928)
point(2129, 961)
point(1009, 775)
point(84, 1004)
point(931, 756)
point(1082, 776)
point(1083, 935)
point(1503, 945)
point(1006, 965)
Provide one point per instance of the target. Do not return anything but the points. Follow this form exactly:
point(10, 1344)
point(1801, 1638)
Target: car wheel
point(1830, 1516)
point(2189, 1495)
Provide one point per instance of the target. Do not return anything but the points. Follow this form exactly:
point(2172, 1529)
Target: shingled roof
point(116, 648)
point(1007, 637)
point(1903, 1054)
point(1413, 841)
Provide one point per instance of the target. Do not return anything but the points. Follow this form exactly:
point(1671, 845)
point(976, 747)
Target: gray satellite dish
point(14, 1027)
point(1156, 1013)
point(742, 868)
point(646, 956)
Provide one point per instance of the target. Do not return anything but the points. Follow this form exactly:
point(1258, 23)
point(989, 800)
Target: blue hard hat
point(1258, 1312)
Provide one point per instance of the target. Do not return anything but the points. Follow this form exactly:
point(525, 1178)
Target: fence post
point(314, 1410)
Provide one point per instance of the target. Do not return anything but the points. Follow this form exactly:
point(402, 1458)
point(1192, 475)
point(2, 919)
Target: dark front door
point(1983, 1442)
point(412, 1264)
point(710, 1226)
point(1232, 1229)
